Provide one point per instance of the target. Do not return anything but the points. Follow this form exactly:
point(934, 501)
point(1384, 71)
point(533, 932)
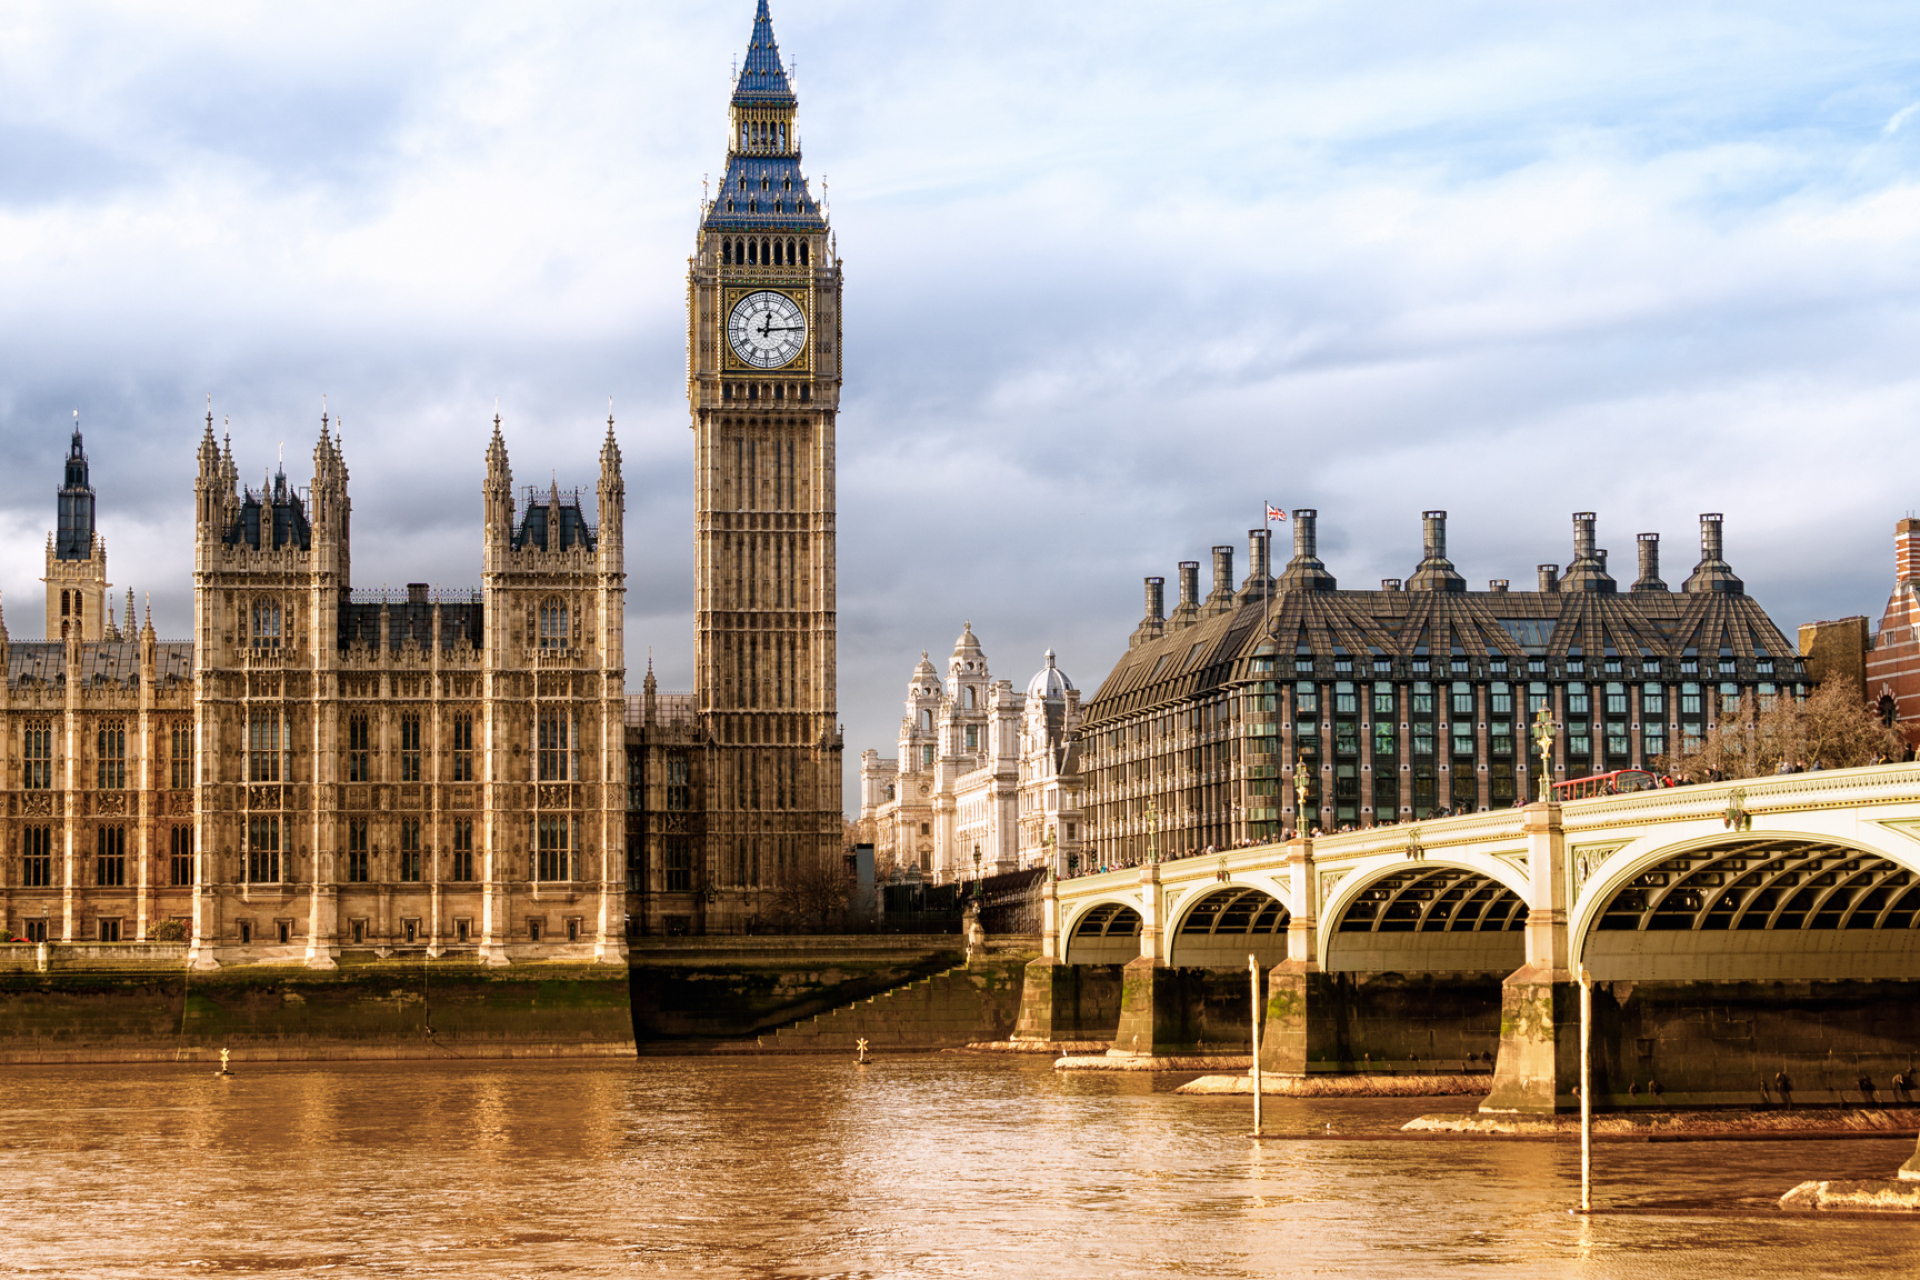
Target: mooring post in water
point(1586, 1090)
point(1253, 965)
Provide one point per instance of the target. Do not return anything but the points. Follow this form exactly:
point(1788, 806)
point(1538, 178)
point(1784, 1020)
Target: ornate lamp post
point(976, 871)
point(1153, 829)
point(1543, 743)
point(1301, 785)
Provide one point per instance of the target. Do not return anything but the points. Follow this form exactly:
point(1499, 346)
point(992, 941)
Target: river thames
point(936, 1165)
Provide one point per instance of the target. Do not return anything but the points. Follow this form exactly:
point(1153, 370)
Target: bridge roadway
point(1751, 942)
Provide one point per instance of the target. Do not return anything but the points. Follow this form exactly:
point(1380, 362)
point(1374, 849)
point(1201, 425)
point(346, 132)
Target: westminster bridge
point(1749, 942)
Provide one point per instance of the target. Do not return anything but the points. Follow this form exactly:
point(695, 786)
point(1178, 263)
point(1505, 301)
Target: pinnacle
point(762, 78)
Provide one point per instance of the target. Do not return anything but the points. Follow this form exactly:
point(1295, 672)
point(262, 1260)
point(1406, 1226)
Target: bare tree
point(1832, 729)
point(813, 900)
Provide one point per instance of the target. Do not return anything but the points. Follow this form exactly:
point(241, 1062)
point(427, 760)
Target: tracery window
point(359, 748)
point(263, 848)
point(36, 858)
point(556, 746)
point(37, 755)
point(410, 747)
point(266, 624)
point(463, 748)
point(110, 755)
point(110, 860)
point(462, 849)
point(268, 738)
point(410, 849)
point(180, 757)
point(180, 856)
point(555, 838)
point(553, 624)
point(358, 858)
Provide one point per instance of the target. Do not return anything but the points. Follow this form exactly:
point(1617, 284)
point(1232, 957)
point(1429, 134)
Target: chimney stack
point(1188, 611)
point(1153, 626)
point(1582, 535)
point(1713, 573)
point(1259, 583)
point(1549, 578)
point(1649, 579)
point(1220, 600)
point(1436, 571)
point(1588, 569)
point(1305, 572)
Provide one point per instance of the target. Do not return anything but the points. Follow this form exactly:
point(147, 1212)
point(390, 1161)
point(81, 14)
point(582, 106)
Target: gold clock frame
point(801, 296)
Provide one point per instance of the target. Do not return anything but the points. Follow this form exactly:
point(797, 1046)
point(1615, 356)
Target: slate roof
point(45, 662)
point(764, 191)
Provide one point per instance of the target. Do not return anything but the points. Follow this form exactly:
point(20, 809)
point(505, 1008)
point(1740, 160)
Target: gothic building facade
point(985, 781)
point(323, 769)
point(1413, 699)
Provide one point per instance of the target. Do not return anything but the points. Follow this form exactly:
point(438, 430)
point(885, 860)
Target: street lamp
point(976, 871)
point(1543, 743)
point(1301, 785)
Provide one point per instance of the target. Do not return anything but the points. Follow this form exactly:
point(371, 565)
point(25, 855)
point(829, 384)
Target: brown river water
point(934, 1165)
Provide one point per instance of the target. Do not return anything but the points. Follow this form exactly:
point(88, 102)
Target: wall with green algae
point(365, 1008)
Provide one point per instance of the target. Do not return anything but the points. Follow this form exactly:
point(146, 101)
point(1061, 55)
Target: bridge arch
point(1753, 906)
point(1106, 932)
point(1221, 927)
point(1429, 915)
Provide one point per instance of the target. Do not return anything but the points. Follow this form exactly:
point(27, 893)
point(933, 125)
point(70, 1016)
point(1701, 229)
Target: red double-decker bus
point(1617, 783)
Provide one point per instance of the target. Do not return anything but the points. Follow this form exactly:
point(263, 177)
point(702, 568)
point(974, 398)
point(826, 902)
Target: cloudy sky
point(1117, 274)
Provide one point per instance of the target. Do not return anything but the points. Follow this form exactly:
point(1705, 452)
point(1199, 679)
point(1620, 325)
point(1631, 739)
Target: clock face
point(767, 329)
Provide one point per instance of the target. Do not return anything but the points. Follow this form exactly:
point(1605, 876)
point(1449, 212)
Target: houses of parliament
point(325, 770)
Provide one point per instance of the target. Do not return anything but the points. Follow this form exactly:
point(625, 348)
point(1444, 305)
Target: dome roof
point(1051, 682)
point(967, 646)
point(924, 677)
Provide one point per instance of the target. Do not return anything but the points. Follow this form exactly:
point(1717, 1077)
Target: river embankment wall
point(140, 1003)
point(710, 991)
point(133, 1002)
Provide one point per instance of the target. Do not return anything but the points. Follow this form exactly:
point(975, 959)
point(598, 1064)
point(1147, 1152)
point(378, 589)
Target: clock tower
point(763, 385)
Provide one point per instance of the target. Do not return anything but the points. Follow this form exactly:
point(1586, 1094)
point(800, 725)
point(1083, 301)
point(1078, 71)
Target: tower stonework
point(763, 311)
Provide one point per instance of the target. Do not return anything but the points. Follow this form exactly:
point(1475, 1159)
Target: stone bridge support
point(1049, 992)
point(1538, 1067)
point(1296, 1030)
point(1151, 1014)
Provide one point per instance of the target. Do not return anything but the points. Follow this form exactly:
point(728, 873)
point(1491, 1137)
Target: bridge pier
point(1537, 1070)
point(1150, 1006)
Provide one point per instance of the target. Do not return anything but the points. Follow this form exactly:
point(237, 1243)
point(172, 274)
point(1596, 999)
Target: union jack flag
point(1275, 513)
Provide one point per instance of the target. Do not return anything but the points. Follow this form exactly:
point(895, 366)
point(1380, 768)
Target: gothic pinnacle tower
point(764, 387)
point(76, 576)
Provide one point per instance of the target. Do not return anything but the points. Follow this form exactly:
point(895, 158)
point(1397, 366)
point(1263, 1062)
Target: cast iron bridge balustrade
point(1738, 934)
point(1812, 875)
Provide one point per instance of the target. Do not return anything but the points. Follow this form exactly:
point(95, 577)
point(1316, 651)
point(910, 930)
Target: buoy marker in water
point(860, 1051)
point(224, 1055)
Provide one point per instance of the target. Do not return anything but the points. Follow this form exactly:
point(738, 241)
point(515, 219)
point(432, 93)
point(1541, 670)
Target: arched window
point(726, 253)
point(553, 624)
point(66, 604)
point(926, 720)
point(266, 624)
point(970, 701)
point(889, 791)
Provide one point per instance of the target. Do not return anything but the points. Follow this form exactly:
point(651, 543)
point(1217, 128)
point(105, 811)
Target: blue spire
point(763, 81)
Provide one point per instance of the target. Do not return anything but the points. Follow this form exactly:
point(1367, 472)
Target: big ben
point(763, 312)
